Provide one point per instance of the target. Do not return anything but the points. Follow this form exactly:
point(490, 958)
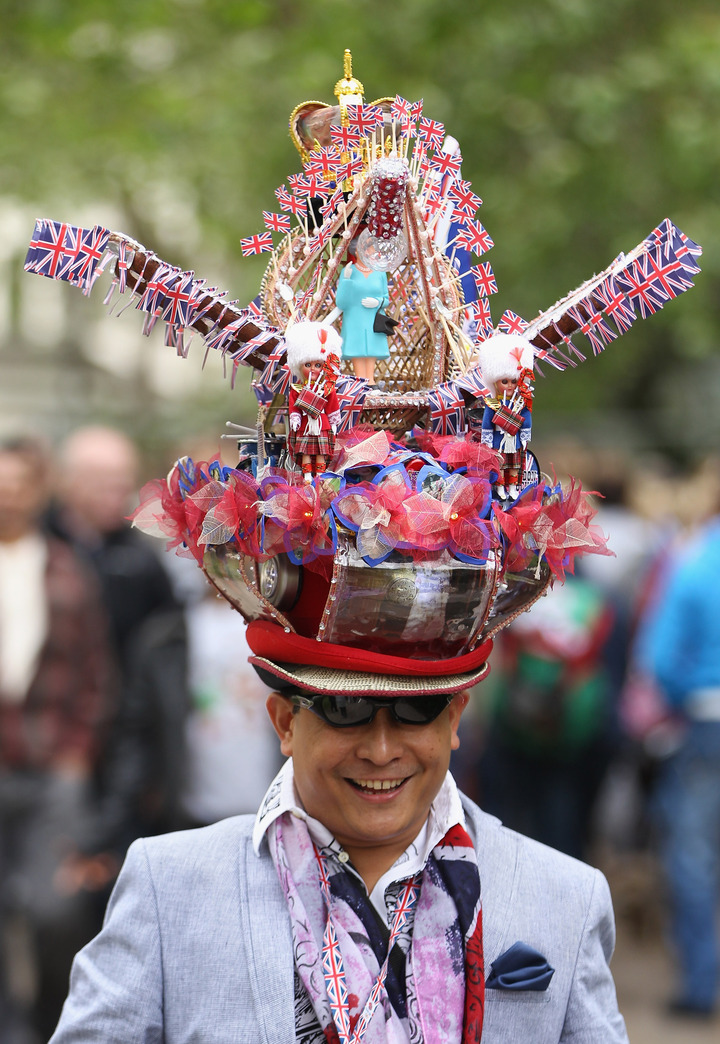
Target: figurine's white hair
point(498, 357)
point(310, 342)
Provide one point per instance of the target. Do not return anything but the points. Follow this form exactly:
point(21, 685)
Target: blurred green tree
point(581, 124)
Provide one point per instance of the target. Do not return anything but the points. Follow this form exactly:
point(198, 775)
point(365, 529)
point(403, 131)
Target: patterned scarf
point(421, 979)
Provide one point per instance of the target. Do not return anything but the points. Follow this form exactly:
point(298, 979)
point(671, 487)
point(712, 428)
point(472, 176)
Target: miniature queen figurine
point(506, 362)
point(313, 352)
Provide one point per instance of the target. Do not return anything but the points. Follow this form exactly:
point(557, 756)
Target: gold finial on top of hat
point(349, 90)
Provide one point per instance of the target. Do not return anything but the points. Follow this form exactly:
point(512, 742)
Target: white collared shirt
point(446, 811)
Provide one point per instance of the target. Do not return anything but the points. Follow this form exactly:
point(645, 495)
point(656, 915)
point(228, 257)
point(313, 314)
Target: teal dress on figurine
point(359, 339)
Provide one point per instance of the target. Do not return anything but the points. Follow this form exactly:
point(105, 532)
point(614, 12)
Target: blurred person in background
point(551, 732)
point(54, 702)
point(233, 752)
point(96, 487)
point(680, 648)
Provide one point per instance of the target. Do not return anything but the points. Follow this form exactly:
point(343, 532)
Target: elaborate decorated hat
point(375, 532)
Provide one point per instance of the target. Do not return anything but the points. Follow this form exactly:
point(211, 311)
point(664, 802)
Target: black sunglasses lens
point(345, 710)
point(419, 710)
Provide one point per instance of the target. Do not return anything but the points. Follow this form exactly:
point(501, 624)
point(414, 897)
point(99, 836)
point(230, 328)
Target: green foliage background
point(582, 125)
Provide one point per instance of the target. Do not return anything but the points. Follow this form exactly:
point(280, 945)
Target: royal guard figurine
point(506, 362)
point(313, 354)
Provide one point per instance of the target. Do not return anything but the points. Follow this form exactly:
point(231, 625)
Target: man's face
point(22, 495)
point(337, 772)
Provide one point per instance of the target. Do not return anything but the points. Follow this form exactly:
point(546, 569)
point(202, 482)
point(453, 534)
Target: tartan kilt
point(513, 461)
point(322, 445)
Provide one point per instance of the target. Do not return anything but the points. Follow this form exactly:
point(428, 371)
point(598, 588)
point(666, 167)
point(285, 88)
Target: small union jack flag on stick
point(344, 138)
point(446, 164)
point(484, 279)
point(465, 200)
point(260, 243)
point(432, 133)
point(276, 222)
point(364, 118)
point(512, 323)
point(474, 237)
point(478, 314)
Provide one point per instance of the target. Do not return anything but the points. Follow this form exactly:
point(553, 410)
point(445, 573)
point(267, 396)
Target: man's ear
point(459, 703)
point(282, 716)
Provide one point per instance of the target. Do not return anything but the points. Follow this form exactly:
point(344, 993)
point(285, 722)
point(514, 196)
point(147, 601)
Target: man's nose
point(381, 741)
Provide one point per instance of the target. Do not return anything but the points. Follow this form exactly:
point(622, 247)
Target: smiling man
point(368, 900)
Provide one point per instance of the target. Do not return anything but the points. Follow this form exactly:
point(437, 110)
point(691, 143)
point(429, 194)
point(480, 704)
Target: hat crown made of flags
point(430, 524)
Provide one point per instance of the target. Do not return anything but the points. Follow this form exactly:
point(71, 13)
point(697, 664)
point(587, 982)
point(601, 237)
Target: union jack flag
point(432, 133)
point(416, 109)
point(180, 296)
point(432, 205)
point(475, 237)
point(331, 204)
point(346, 170)
point(350, 392)
point(423, 167)
point(512, 323)
point(323, 161)
point(263, 395)
point(283, 197)
point(400, 109)
point(484, 279)
point(321, 238)
point(642, 288)
point(446, 164)
point(260, 243)
point(276, 222)
point(296, 205)
point(276, 356)
point(91, 246)
point(592, 325)
point(153, 297)
point(299, 183)
point(465, 200)
point(315, 185)
point(282, 381)
point(676, 244)
point(615, 304)
point(478, 315)
point(345, 138)
point(52, 248)
point(473, 382)
point(447, 409)
point(667, 270)
point(364, 118)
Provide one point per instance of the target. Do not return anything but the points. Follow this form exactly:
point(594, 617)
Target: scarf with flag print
point(421, 978)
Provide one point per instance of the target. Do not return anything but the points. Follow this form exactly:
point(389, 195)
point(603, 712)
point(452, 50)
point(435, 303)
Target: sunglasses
point(343, 712)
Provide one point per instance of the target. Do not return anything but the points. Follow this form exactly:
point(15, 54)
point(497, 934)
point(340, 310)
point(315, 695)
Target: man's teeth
point(378, 784)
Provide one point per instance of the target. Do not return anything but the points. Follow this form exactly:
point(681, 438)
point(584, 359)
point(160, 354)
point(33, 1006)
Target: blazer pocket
point(518, 996)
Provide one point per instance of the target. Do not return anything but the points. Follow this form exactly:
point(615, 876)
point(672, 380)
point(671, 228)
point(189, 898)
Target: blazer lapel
point(497, 865)
point(266, 933)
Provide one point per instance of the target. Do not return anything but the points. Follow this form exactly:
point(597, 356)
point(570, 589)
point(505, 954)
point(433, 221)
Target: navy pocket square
point(520, 968)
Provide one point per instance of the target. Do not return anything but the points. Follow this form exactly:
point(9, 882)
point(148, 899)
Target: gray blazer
point(196, 947)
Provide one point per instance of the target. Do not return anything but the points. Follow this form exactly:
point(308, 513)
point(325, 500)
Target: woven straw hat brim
point(328, 681)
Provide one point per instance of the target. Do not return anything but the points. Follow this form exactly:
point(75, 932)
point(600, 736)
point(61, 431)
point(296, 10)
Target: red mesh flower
point(552, 523)
point(376, 512)
point(298, 519)
point(454, 519)
point(234, 515)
